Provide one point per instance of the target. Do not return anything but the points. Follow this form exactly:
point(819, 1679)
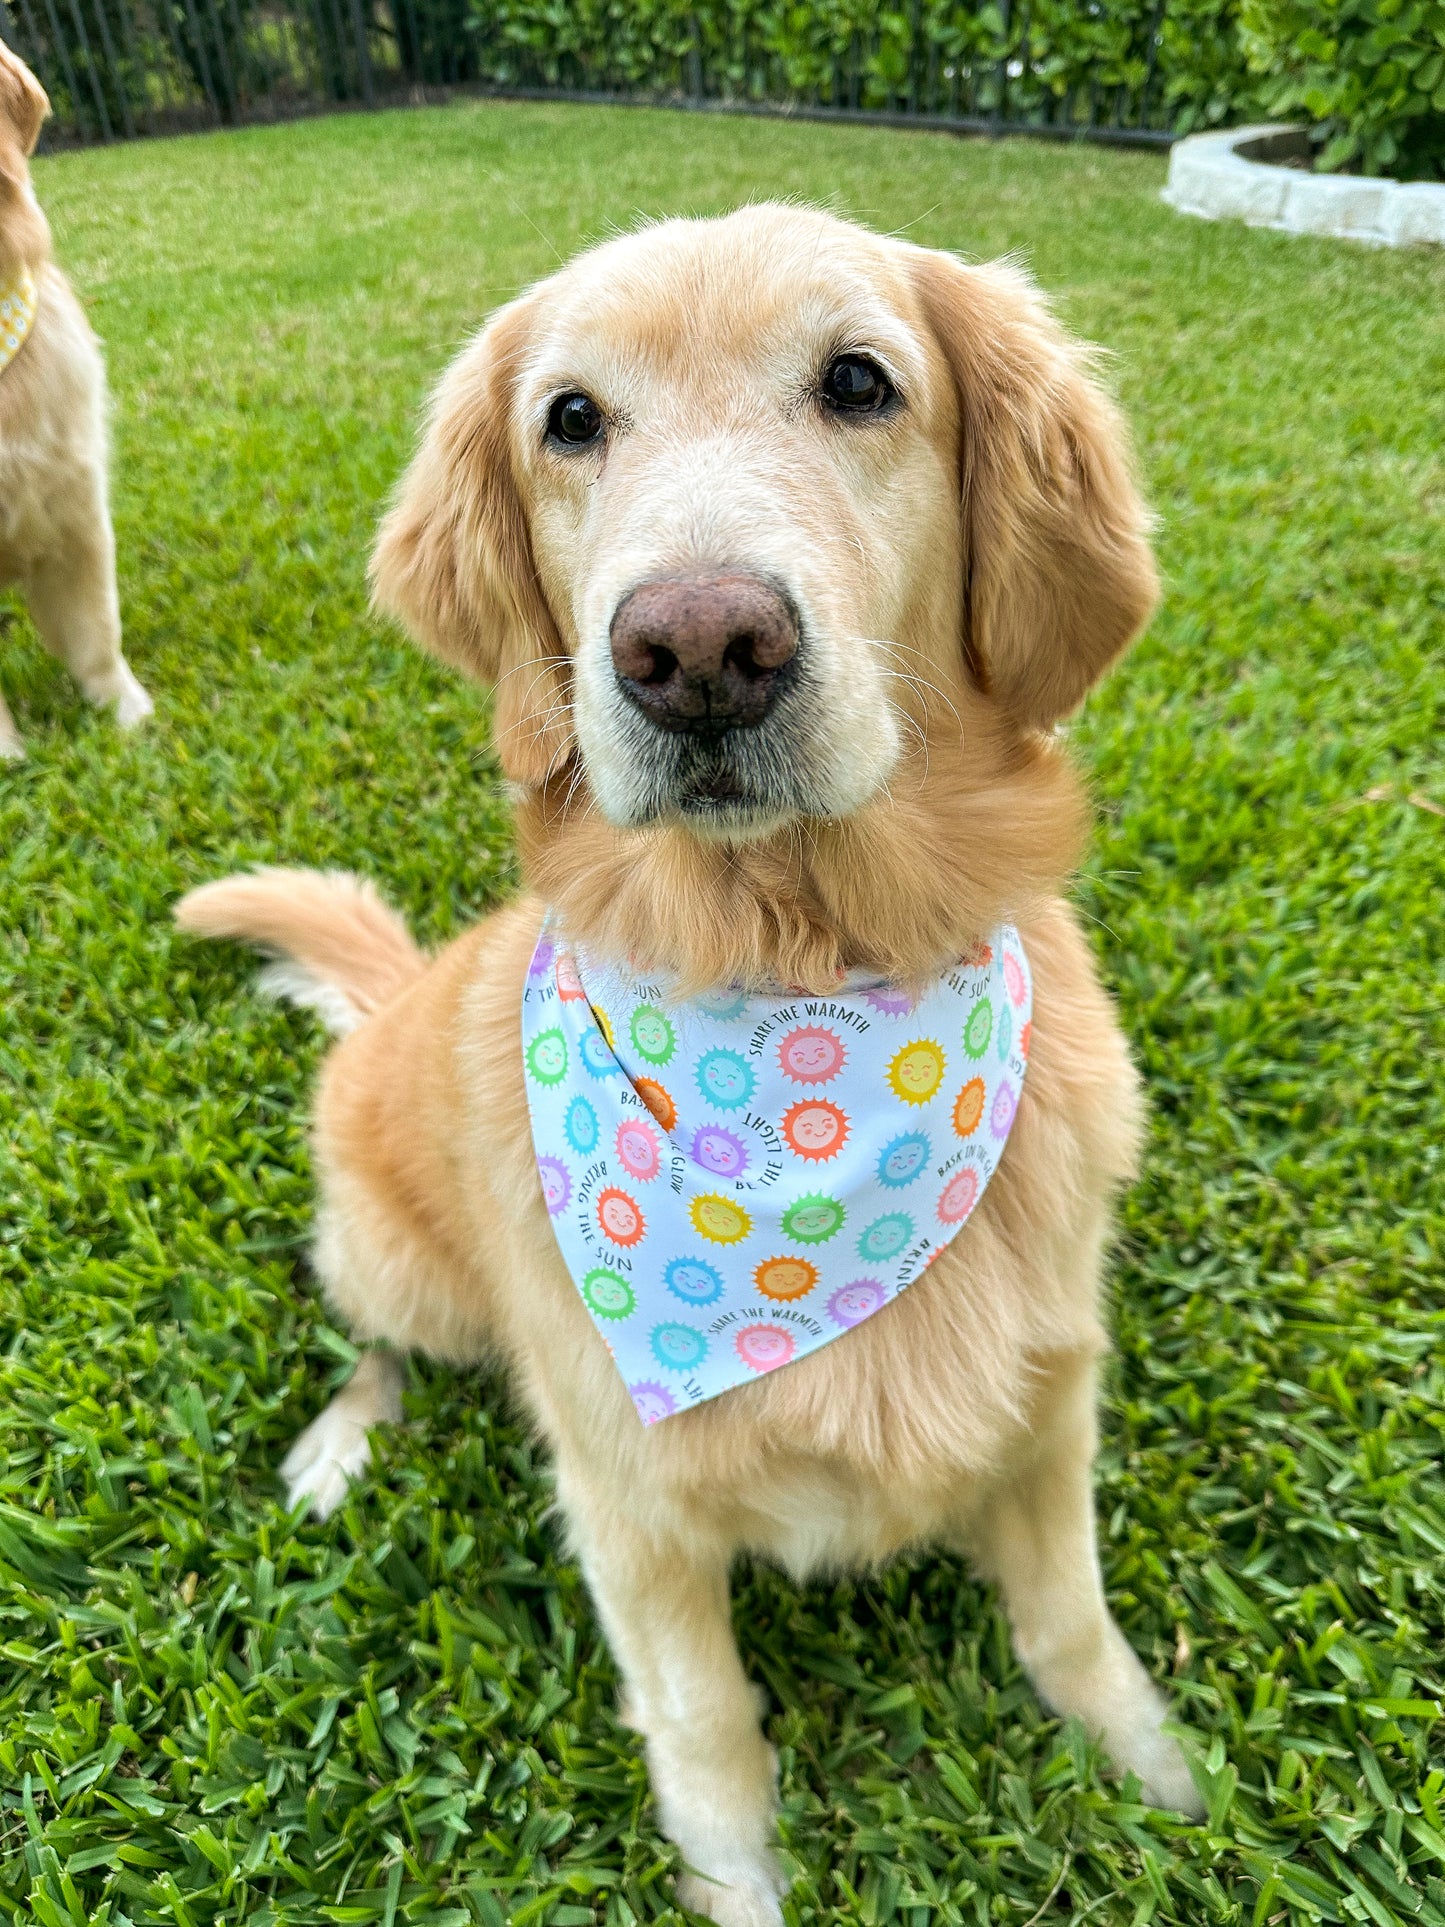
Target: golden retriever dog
point(783, 547)
point(56, 544)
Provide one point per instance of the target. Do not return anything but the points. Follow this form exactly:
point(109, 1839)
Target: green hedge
point(1368, 74)
point(1125, 63)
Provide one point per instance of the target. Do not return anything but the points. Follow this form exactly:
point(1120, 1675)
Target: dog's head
point(742, 513)
point(24, 232)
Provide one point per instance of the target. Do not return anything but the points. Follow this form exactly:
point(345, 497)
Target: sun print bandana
point(735, 1180)
point(18, 300)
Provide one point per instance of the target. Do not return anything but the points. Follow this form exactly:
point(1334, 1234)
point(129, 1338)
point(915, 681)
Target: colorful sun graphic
point(657, 1099)
point(785, 1278)
point(813, 1219)
point(812, 1055)
point(903, 1160)
point(556, 1183)
point(540, 967)
point(597, 1058)
point(608, 1293)
point(979, 1028)
point(885, 1237)
point(719, 1151)
point(569, 984)
point(581, 1126)
point(678, 1348)
point(853, 1302)
point(725, 1079)
point(763, 1348)
point(959, 1196)
point(1005, 1032)
point(979, 958)
point(604, 1024)
point(653, 1401)
point(653, 1036)
point(547, 1057)
point(1005, 1103)
point(968, 1107)
point(815, 1129)
point(890, 1000)
point(917, 1071)
point(694, 1281)
point(638, 1150)
point(620, 1217)
point(720, 1220)
point(723, 1005)
point(1013, 977)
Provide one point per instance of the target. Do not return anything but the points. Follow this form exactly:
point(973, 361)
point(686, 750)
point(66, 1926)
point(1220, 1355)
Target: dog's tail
point(340, 951)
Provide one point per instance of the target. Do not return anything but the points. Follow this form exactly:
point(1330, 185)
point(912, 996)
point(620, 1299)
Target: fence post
point(114, 65)
point(1001, 70)
point(127, 25)
point(58, 41)
point(203, 66)
point(223, 59)
point(363, 53)
point(1144, 92)
point(694, 57)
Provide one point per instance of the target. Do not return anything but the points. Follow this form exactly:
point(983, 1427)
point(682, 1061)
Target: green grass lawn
point(211, 1712)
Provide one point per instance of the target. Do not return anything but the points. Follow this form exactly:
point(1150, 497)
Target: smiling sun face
point(785, 1278)
point(815, 1129)
point(718, 1219)
point(620, 1217)
point(811, 1055)
point(917, 1071)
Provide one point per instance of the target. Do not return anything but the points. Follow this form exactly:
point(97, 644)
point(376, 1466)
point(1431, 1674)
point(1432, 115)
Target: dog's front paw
point(116, 689)
point(132, 703)
point(751, 1901)
point(1159, 1761)
point(332, 1451)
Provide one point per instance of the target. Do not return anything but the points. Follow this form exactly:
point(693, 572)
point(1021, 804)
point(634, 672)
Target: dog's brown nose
point(703, 652)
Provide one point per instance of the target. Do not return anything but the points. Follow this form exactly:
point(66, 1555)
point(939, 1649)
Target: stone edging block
point(1259, 175)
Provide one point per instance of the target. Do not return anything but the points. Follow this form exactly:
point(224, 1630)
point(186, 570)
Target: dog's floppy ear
point(1058, 574)
point(453, 560)
point(23, 106)
point(24, 232)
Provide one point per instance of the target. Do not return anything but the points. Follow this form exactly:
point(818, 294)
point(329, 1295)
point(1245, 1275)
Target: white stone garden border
point(1245, 174)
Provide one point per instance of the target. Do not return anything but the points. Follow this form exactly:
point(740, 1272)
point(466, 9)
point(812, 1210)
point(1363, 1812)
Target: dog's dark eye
point(857, 384)
point(575, 419)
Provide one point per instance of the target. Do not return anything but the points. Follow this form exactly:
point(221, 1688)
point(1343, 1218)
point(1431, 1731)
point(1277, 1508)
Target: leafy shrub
point(1369, 74)
point(1120, 61)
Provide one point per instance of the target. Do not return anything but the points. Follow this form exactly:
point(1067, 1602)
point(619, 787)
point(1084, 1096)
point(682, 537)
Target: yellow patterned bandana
point(17, 313)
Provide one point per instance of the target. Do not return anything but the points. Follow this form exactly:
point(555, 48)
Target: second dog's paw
point(12, 750)
point(133, 704)
point(332, 1451)
point(745, 1903)
point(1164, 1772)
point(116, 689)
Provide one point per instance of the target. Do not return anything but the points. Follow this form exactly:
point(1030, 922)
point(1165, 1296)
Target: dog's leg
point(11, 747)
point(335, 1449)
point(1035, 1538)
point(74, 607)
point(666, 1612)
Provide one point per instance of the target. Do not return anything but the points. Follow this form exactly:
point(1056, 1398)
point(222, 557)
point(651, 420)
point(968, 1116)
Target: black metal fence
point(115, 69)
